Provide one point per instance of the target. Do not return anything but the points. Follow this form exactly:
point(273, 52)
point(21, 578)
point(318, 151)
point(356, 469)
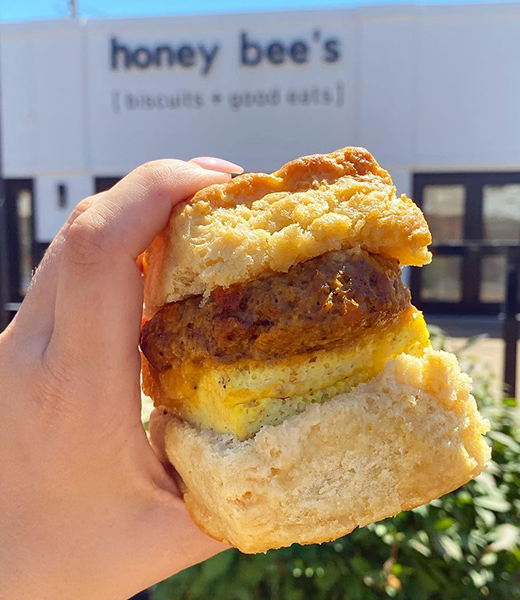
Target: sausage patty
point(328, 301)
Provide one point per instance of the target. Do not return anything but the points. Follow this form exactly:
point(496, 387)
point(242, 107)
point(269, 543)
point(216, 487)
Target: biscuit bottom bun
point(297, 395)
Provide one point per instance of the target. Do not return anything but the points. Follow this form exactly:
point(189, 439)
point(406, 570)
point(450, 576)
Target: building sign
point(258, 93)
point(201, 58)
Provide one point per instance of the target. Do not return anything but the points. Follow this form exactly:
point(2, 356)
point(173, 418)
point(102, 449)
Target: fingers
point(157, 426)
point(99, 293)
point(35, 319)
point(217, 164)
point(190, 545)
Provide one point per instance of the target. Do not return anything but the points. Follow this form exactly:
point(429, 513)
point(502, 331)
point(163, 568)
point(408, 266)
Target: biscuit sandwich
point(297, 395)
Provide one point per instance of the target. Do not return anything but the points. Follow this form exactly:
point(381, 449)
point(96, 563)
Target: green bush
point(463, 546)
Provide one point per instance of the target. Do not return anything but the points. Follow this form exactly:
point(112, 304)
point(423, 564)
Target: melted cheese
point(242, 396)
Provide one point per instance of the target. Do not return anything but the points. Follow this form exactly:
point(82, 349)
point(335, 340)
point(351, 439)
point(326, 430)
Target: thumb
point(99, 296)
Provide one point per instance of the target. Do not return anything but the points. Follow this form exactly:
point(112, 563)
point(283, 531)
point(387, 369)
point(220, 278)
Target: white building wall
point(58, 84)
point(18, 123)
point(424, 88)
point(467, 88)
point(386, 88)
point(43, 80)
point(49, 216)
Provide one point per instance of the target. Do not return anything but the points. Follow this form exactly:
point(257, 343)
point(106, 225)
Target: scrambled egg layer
point(243, 396)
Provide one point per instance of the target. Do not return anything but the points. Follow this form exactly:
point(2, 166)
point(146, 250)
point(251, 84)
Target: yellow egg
point(242, 396)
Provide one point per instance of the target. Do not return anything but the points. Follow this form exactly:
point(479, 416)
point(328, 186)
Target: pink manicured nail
point(217, 164)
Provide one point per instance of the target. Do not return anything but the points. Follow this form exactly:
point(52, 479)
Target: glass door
point(444, 207)
point(20, 238)
point(464, 208)
point(501, 224)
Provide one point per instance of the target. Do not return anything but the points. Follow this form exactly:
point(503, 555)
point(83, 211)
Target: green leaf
point(479, 578)
point(293, 595)
point(328, 580)
point(443, 524)
point(486, 482)
point(494, 503)
point(487, 516)
point(427, 583)
point(477, 540)
point(250, 572)
point(360, 565)
point(419, 547)
point(218, 565)
point(507, 537)
point(463, 498)
point(198, 588)
point(450, 547)
point(506, 440)
point(489, 559)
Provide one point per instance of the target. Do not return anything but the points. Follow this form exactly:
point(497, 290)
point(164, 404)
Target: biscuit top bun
point(258, 223)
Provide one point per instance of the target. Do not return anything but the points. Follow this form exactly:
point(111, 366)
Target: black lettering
point(327, 96)
point(276, 97)
point(161, 101)
point(299, 52)
point(208, 56)
point(142, 57)
point(173, 102)
point(249, 99)
point(250, 52)
point(331, 51)
point(118, 49)
point(186, 56)
point(276, 53)
point(234, 101)
point(166, 51)
point(116, 106)
point(130, 102)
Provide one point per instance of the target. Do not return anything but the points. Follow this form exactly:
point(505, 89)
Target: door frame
point(471, 266)
point(102, 184)
point(12, 188)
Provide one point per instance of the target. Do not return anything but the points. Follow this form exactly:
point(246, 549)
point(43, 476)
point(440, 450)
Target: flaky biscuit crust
point(259, 223)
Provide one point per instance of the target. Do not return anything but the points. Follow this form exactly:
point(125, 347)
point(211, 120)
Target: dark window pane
point(501, 212)
point(440, 280)
point(443, 207)
point(493, 279)
point(24, 214)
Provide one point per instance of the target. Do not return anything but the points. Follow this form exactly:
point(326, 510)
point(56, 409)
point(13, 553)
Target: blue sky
point(24, 10)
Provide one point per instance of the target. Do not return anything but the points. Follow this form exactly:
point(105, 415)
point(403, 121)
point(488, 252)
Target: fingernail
point(217, 164)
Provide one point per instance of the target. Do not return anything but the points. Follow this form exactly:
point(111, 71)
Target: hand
point(86, 508)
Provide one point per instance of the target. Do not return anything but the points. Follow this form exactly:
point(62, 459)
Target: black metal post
point(4, 275)
point(510, 327)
